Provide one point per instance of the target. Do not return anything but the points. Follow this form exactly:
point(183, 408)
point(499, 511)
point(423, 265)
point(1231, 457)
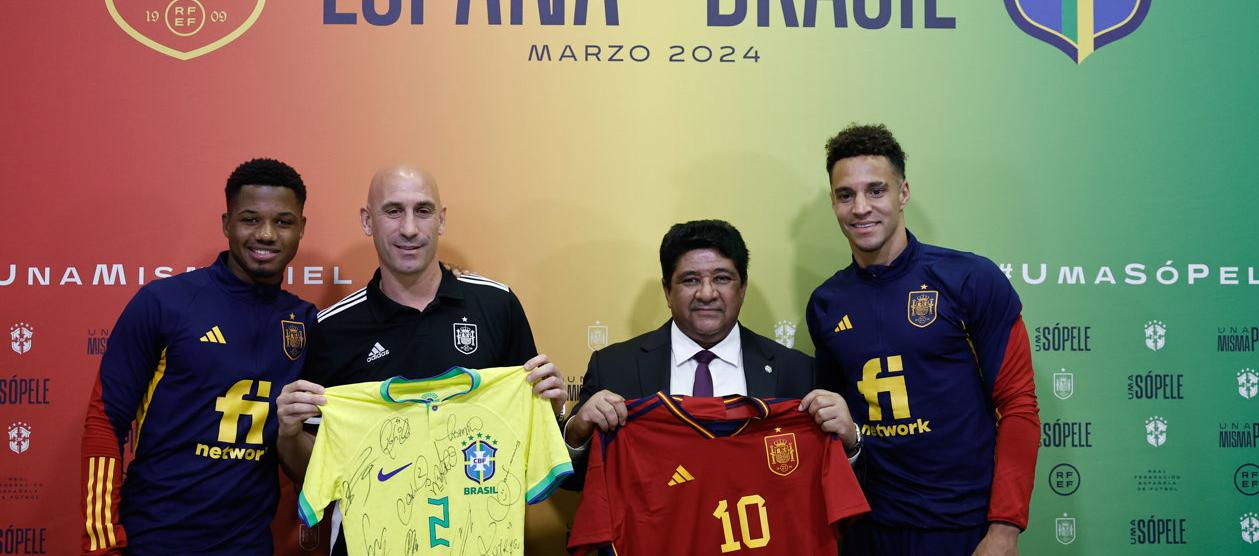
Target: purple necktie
point(703, 379)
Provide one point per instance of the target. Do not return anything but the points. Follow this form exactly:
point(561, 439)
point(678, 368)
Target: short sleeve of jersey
point(593, 524)
point(547, 463)
point(323, 473)
point(840, 489)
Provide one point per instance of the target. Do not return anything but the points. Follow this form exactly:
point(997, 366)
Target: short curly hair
point(864, 140)
point(268, 172)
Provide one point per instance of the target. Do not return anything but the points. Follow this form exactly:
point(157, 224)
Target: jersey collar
point(893, 270)
point(704, 415)
point(384, 309)
point(426, 390)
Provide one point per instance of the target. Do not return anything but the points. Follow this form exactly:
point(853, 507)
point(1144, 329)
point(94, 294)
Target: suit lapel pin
point(769, 369)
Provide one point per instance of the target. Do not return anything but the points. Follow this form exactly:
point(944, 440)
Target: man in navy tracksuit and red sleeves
point(196, 361)
point(928, 347)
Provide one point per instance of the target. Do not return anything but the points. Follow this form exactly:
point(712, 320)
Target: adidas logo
point(844, 324)
point(681, 475)
point(377, 352)
point(214, 336)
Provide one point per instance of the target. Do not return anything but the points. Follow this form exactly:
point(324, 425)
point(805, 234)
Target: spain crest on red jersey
point(185, 29)
point(782, 454)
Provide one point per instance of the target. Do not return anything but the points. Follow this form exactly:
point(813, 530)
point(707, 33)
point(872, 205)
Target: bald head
point(401, 173)
point(404, 217)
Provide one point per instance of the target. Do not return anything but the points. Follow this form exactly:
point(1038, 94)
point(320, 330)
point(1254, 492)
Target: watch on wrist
point(856, 446)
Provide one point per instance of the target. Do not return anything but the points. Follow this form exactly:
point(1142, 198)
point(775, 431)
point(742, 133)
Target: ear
point(301, 232)
point(664, 286)
point(365, 220)
point(904, 195)
point(441, 221)
point(224, 219)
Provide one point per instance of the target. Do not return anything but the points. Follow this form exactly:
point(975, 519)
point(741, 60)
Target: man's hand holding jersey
point(830, 411)
point(606, 410)
point(547, 382)
point(300, 399)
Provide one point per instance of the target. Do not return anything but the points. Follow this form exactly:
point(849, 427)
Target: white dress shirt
point(726, 369)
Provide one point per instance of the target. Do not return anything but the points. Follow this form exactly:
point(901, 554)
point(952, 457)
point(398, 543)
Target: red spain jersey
point(713, 476)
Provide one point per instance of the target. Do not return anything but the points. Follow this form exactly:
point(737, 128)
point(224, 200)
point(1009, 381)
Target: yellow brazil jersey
point(443, 465)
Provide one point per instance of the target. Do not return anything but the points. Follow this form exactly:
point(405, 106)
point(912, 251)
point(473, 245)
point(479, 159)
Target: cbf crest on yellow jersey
point(443, 465)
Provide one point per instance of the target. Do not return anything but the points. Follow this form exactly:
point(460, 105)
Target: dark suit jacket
point(641, 366)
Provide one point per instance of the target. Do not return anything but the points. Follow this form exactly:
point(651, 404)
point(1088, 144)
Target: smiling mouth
point(863, 226)
point(263, 255)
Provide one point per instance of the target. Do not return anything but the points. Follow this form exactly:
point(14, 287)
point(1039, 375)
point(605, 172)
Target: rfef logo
point(1078, 27)
point(1246, 479)
point(1064, 479)
point(185, 29)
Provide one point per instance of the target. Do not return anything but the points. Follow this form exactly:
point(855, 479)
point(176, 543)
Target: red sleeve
point(101, 484)
point(1018, 432)
point(592, 526)
point(127, 368)
point(844, 499)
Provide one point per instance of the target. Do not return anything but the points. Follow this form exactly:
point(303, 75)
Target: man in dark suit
point(702, 350)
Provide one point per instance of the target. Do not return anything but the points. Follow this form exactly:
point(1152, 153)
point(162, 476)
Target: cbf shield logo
point(596, 336)
point(1064, 529)
point(185, 29)
point(922, 307)
point(782, 454)
point(1250, 527)
point(465, 337)
point(1248, 383)
point(1064, 385)
point(785, 333)
point(1078, 27)
point(19, 437)
point(1156, 431)
point(21, 337)
point(1155, 335)
point(294, 335)
point(478, 460)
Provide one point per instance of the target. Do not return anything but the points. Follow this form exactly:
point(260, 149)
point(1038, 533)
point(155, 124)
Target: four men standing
point(942, 399)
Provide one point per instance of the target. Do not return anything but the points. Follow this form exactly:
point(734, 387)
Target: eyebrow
point(867, 184)
point(400, 204)
point(252, 211)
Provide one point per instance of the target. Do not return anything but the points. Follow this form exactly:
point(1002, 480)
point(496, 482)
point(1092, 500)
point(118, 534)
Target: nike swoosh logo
point(382, 476)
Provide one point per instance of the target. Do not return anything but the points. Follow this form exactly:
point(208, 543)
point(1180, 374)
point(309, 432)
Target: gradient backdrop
point(561, 177)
